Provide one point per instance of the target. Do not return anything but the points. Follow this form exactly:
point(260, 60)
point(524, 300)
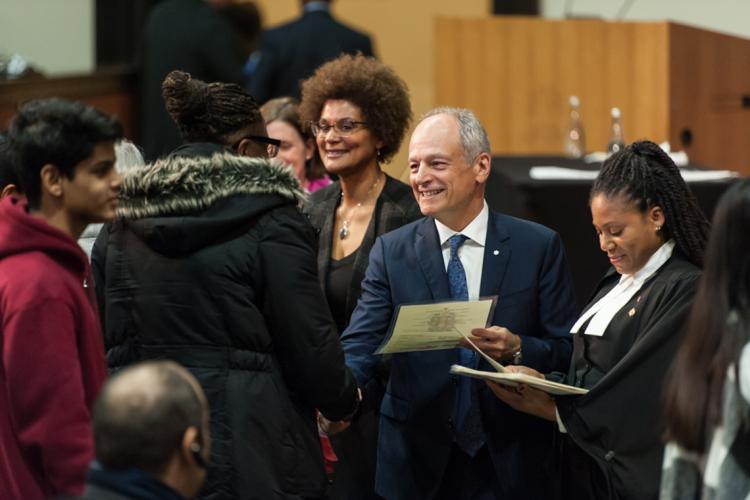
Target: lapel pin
point(631, 313)
point(496, 252)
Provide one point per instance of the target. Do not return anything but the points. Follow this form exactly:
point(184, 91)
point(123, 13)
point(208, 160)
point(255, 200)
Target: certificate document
point(431, 327)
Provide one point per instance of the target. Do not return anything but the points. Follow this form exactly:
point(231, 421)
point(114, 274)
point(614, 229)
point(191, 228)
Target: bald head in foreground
point(151, 434)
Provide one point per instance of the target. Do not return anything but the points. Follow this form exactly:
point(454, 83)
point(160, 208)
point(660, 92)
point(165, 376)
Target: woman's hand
point(525, 370)
point(524, 398)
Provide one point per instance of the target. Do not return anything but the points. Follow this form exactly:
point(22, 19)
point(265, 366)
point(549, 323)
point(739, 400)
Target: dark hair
point(58, 132)
point(647, 176)
point(372, 86)
point(718, 327)
point(209, 112)
point(286, 109)
point(142, 414)
point(8, 173)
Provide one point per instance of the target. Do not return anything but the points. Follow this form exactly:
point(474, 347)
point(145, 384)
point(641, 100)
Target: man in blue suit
point(442, 437)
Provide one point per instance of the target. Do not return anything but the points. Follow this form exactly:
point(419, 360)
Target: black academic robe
point(614, 432)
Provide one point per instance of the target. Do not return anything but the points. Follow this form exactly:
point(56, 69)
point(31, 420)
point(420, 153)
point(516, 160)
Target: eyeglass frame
point(268, 141)
point(315, 127)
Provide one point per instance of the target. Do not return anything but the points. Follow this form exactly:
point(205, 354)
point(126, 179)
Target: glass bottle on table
point(575, 140)
point(616, 140)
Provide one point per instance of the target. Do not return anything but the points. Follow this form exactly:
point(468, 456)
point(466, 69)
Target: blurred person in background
point(359, 111)
point(291, 52)
point(708, 393)
point(192, 36)
point(297, 149)
point(8, 177)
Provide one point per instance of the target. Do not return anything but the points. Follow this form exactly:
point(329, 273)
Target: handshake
point(333, 427)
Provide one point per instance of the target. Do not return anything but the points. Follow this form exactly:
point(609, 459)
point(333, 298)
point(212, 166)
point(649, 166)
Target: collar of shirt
point(471, 253)
point(605, 309)
point(475, 231)
point(316, 7)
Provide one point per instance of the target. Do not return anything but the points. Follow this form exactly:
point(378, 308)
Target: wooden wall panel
point(710, 75)
point(111, 90)
point(517, 74)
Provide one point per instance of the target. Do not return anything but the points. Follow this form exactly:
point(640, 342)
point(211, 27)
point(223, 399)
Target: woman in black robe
point(654, 233)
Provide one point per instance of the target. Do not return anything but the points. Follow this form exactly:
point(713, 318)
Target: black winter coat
point(211, 264)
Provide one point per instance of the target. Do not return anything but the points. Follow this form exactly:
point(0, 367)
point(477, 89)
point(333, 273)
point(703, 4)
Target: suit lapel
point(430, 258)
point(496, 257)
point(328, 208)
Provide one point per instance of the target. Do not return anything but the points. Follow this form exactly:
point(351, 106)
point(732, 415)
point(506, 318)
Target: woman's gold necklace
point(344, 231)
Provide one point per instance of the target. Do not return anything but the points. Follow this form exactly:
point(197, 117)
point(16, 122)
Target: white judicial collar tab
point(604, 310)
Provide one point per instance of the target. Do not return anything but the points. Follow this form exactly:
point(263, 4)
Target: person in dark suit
point(191, 36)
point(441, 437)
point(291, 52)
point(361, 111)
point(654, 233)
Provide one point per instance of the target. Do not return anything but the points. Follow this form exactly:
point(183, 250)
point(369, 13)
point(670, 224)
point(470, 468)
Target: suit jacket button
point(609, 456)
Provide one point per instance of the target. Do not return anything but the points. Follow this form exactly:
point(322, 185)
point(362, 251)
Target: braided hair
point(209, 112)
point(647, 176)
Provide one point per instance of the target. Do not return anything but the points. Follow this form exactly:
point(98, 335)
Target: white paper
point(431, 327)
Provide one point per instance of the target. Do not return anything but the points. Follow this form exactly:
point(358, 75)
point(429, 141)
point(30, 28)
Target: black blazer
point(191, 36)
point(394, 208)
point(291, 52)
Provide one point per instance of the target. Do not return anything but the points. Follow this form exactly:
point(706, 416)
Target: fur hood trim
point(180, 185)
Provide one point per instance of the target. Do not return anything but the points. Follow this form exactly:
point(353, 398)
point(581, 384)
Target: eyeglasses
point(344, 127)
point(272, 145)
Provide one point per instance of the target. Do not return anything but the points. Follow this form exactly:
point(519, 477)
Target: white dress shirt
point(471, 253)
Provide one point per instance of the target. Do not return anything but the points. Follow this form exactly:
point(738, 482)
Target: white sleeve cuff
point(560, 424)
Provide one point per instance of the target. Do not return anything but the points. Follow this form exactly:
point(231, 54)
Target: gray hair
point(127, 156)
point(474, 138)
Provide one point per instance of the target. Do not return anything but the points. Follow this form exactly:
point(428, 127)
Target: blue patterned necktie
point(469, 434)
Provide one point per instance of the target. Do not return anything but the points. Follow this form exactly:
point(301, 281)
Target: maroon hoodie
point(53, 358)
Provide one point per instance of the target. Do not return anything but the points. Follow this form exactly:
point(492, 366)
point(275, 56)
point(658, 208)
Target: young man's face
point(91, 195)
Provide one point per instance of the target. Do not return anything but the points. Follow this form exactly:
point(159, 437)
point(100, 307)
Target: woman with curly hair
point(297, 148)
point(358, 110)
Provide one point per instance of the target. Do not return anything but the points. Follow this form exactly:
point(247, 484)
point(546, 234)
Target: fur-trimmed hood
point(181, 203)
point(179, 185)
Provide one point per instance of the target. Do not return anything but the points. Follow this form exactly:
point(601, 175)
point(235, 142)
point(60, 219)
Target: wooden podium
point(673, 83)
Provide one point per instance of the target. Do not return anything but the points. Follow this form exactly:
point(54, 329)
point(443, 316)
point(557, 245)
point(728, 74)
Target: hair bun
point(184, 97)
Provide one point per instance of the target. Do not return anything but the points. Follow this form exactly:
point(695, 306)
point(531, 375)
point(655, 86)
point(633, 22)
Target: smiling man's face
point(446, 185)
